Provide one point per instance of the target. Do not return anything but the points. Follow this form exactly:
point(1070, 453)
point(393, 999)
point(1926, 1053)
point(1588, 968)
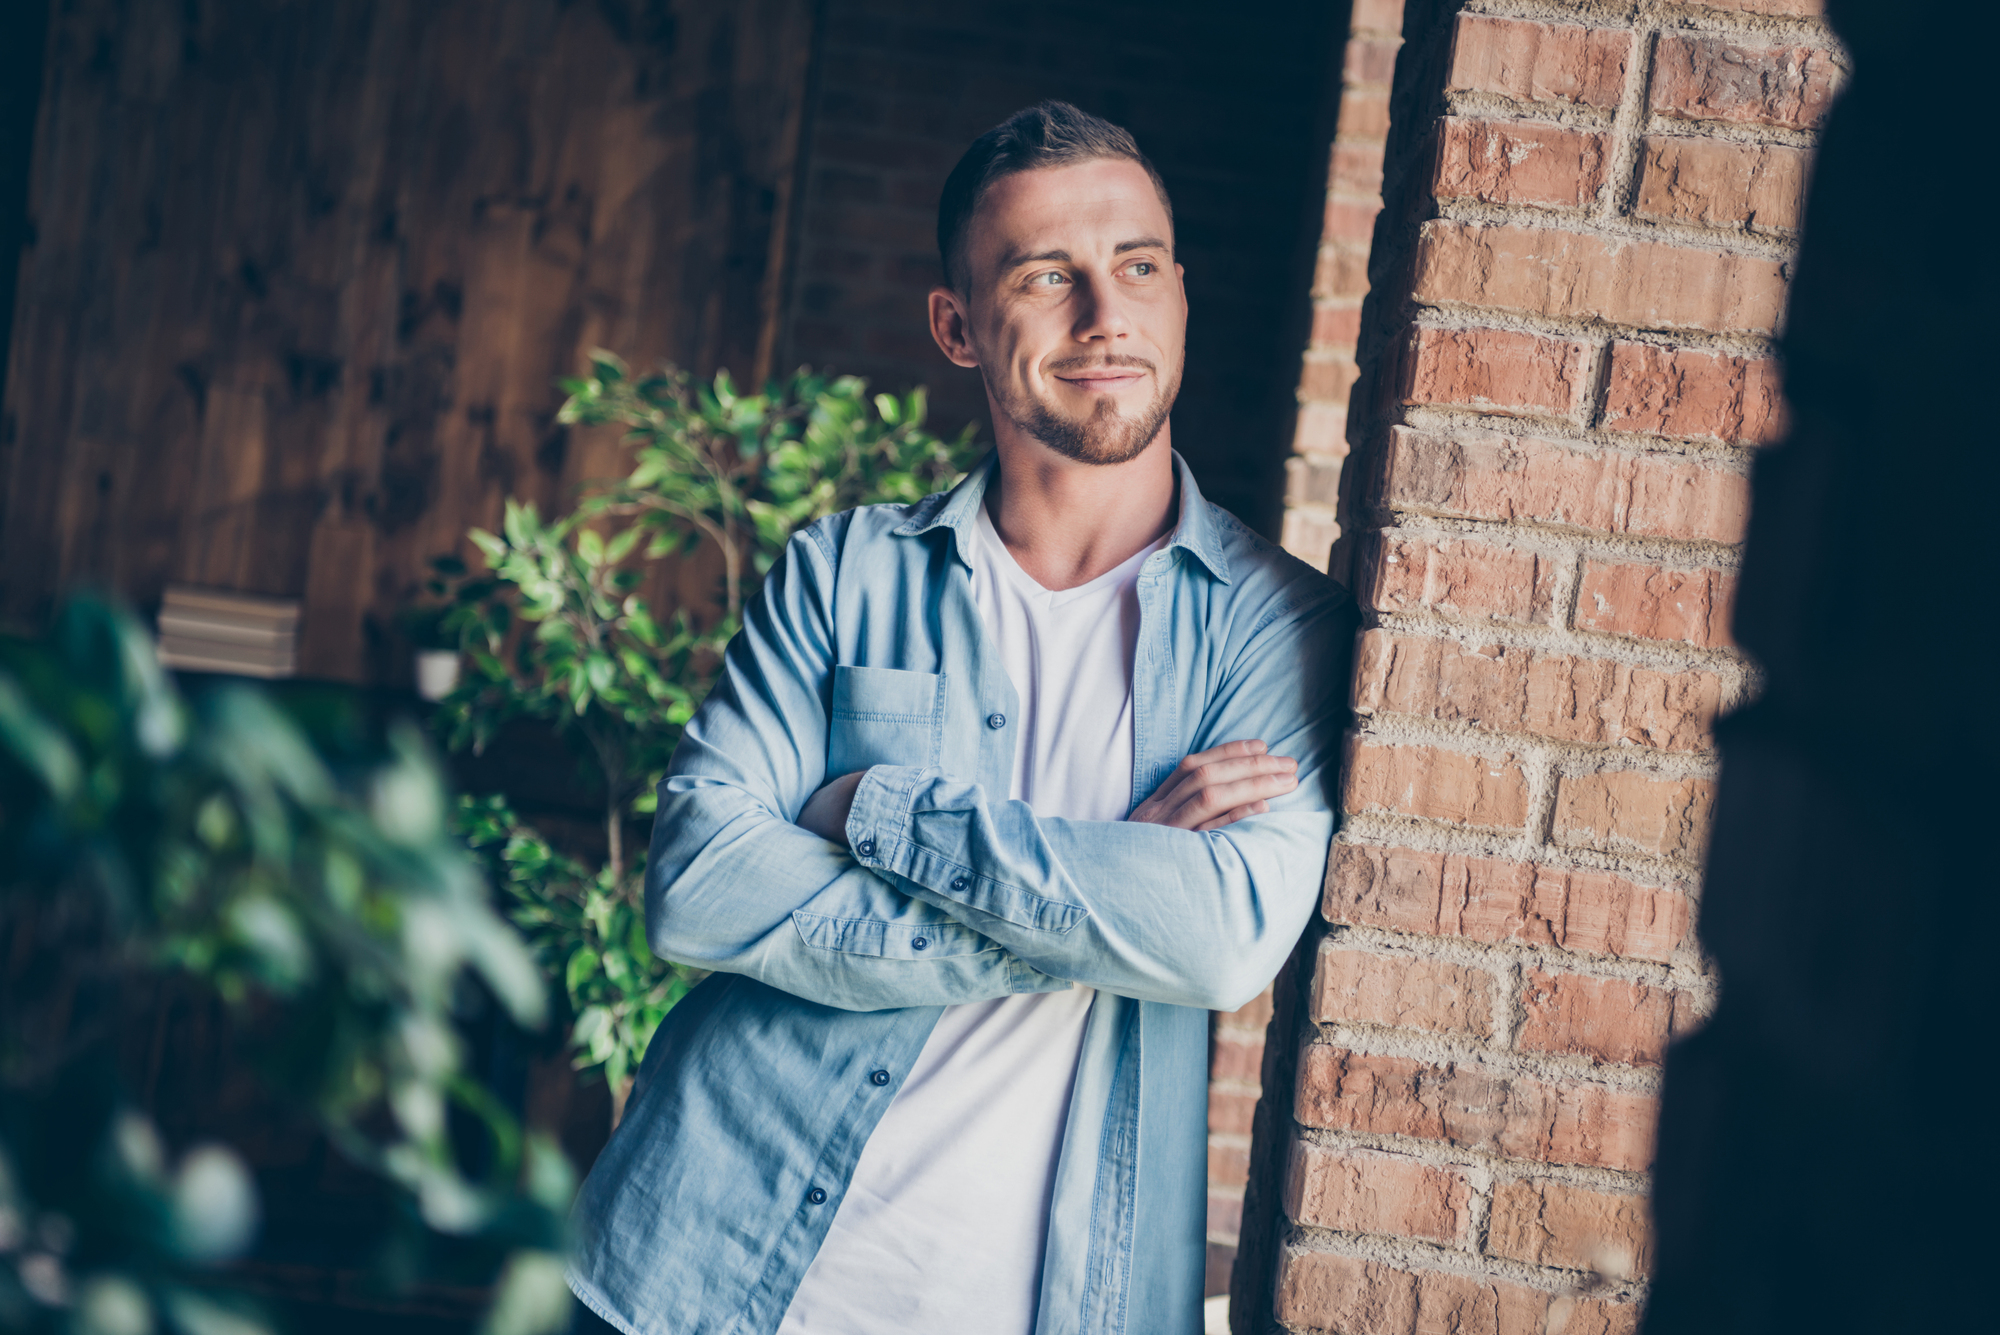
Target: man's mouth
point(1101, 378)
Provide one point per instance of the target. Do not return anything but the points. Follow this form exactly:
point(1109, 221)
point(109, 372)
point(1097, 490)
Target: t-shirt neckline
point(1116, 577)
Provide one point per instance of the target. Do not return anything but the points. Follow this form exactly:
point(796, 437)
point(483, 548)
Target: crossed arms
point(928, 890)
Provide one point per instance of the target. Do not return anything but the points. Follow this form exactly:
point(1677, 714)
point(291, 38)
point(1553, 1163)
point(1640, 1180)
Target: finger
point(1176, 790)
point(1218, 798)
point(1231, 817)
point(1228, 771)
point(1248, 746)
point(1197, 790)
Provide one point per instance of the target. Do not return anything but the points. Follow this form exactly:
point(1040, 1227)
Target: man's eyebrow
point(1015, 259)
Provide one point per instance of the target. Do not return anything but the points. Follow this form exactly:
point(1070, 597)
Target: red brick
point(1337, 326)
point(1309, 534)
point(1643, 284)
point(1524, 480)
point(1631, 811)
point(1221, 1261)
point(1228, 1165)
point(1539, 62)
point(1363, 1191)
point(1686, 393)
point(1651, 603)
point(1230, 1111)
point(1497, 688)
point(1322, 434)
point(1341, 272)
point(1495, 371)
point(1225, 1213)
point(1371, 59)
point(1605, 1019)
point(1364, 114)
point(1345, 1294)
point(1715, 183)
point(1357, 168)
point(1234, 1057)
point(1496, 899)
point(1802, 9)
point(1376, 16)
point(1312, 481)
point(1327, 375)
point(1401, 992)
point(1704, 77)
point(1350, 220)
point(1423, 781)
point(1518, 162)
point(1474, 1107)
point(1465, 576)
point(1573, 1228)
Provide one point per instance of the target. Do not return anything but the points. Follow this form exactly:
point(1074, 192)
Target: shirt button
point(816, 1196)
point(880, 1077)
point(919, 942)
point(996, 721)
point(866, 848)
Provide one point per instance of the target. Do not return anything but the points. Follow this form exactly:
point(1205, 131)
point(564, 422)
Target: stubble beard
point(1106, 436)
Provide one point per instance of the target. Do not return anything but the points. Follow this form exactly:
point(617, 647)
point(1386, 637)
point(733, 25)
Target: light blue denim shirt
point(865, 651)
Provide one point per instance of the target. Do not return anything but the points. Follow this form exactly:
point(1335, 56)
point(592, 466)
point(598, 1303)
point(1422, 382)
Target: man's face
point(1073, 311)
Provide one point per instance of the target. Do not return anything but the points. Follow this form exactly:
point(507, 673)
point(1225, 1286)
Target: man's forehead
point(1101, 203)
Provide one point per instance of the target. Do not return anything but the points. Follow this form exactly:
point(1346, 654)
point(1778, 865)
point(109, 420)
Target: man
point(998, 795)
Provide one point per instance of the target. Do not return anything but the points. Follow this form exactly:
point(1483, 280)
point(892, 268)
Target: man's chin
point(1105, 437)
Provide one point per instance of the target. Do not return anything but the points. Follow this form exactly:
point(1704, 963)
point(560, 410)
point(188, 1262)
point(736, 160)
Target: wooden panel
point(303, 275)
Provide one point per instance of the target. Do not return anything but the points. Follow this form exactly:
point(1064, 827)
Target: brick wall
point(1353, 198)
point(1563, 370)
point(1236, 123)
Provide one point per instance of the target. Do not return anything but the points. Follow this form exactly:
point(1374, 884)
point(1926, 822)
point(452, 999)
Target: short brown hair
point(1048, 134)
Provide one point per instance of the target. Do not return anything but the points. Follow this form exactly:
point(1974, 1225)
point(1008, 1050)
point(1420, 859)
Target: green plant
point(586, 932)
point(554, 629)
point(148, 836)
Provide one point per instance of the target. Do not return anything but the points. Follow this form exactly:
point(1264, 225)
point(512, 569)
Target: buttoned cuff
point(881, 835)
point(879, 817)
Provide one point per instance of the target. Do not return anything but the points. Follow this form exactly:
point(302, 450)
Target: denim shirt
point(865, 651)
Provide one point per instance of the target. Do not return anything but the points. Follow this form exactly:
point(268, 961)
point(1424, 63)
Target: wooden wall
point(301, 276)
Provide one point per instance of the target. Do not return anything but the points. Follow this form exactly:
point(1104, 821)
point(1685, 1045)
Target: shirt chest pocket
point(884, 716)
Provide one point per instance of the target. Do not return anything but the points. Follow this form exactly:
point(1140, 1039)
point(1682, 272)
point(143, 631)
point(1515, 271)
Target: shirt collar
point(958, 510)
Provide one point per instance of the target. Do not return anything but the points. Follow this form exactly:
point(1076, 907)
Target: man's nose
point(1102, 311)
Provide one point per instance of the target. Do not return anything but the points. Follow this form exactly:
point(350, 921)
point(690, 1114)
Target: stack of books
point(214, 630)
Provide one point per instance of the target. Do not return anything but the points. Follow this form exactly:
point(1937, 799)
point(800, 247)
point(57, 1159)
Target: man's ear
point(949, 326)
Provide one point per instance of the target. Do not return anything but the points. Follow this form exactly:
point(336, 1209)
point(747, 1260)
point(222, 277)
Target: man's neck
point(1065, 523)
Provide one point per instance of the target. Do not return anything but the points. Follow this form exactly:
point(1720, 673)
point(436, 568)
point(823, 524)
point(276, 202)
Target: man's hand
point(825, 812)
point(1213, 788)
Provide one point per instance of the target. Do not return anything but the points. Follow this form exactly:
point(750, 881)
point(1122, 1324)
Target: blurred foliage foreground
point(146, 835)
point(341, 914)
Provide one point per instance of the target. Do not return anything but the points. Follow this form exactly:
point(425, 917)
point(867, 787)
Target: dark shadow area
point(23, 33)
point(1820, 1166)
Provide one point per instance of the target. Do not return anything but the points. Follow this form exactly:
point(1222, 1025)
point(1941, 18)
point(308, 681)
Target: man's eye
point(1050, 279)
point(1143, 269)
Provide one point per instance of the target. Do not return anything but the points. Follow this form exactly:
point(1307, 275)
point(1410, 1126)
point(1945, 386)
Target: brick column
point(1565, 366)
point(1319, 447)
point(1340, 280)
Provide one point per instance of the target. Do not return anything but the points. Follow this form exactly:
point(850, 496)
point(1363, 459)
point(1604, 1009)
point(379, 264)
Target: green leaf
point(583, 966)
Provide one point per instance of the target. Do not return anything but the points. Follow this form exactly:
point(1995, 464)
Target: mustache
point(1071, 365)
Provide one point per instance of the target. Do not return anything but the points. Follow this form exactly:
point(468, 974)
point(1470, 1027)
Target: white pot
point(437, 672)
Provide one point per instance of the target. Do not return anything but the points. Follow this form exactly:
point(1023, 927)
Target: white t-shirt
point(942, 1227)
